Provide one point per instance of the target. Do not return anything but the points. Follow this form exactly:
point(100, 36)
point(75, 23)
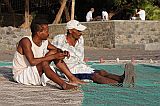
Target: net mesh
point(145, 93)
point(5, 63)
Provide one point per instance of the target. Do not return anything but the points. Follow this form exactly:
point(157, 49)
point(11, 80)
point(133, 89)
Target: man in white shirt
point(141, 14)
point(89, 15)
point(73, 42)
point(104, 15)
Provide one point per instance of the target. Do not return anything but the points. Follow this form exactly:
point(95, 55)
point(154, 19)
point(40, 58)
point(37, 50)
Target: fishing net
point(146, 91)
point(2, 63)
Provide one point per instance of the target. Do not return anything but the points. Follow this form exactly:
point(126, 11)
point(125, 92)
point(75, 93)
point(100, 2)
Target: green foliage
point(119, 3)
point(152, 11)
point(154, 14)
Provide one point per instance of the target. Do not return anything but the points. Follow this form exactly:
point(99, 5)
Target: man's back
point(89, 15)
point(104, 15)
point(141, 14)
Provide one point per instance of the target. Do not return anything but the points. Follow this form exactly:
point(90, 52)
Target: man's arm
point(59, 50)
point(51, 47)
point(26, 45)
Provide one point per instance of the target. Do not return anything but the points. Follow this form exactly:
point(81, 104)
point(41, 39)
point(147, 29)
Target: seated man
point(74, 43)
point(30, 60)
point(141, 14)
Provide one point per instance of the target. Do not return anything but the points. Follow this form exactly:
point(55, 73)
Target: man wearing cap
point(73, 42)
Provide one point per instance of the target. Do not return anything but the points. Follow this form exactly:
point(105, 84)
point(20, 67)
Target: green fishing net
point(2, 63)
point(146, 91)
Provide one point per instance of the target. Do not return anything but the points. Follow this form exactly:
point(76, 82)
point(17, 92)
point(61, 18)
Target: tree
point(118, 9)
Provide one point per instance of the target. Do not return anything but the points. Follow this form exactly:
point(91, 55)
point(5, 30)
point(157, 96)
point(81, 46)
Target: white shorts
point(30, 76)
point(81, 69)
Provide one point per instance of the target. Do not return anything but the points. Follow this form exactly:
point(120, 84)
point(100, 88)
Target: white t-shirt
point(104, 15)
point(89, 16)
point(141, 14)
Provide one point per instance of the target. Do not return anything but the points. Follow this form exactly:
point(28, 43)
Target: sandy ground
point(13, 93)
point(108, 54)
point(127, 54)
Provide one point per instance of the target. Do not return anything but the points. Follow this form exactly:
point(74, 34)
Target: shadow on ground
point(6, 73)
point(13, 93)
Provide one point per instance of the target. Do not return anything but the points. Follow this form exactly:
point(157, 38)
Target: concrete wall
point(128, 34)
point(124, 34)
point(97, 34)
point(137, 34)
point(9, 37)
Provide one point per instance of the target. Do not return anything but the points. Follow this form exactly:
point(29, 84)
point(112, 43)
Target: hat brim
point(81, 27)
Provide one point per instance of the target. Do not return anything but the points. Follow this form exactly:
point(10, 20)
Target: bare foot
point(69, 86)
point(77, 81)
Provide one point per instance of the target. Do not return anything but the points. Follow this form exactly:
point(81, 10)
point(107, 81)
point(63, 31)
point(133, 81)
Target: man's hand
point(59, 56)
point(59, 50)
point(65, 53)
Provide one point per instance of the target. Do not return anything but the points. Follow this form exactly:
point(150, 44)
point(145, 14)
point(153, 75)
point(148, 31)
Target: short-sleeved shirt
point(104, 15)
point(75, 62)
point(89, 16)
point(141, 14)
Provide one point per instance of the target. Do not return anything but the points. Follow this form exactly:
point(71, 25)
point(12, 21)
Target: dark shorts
point(81, 76)
point(84, 76)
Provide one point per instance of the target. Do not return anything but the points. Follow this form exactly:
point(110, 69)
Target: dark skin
point(42, 64)
point(100, 76)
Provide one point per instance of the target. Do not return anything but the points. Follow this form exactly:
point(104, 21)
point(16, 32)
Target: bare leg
point(63, 67)
point(111, 76)
point(53, 76)
point(97, 78)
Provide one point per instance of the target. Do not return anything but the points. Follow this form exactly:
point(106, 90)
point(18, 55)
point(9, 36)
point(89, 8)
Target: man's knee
point(45, 64)
point(94, 75)
point(102, 72)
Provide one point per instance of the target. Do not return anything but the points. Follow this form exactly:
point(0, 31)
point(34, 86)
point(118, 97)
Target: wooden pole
point(59, 14)
point(26, 13)
point(72, 10)
point(67, 14)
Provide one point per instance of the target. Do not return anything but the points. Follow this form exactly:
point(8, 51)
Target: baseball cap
point(74, 24)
